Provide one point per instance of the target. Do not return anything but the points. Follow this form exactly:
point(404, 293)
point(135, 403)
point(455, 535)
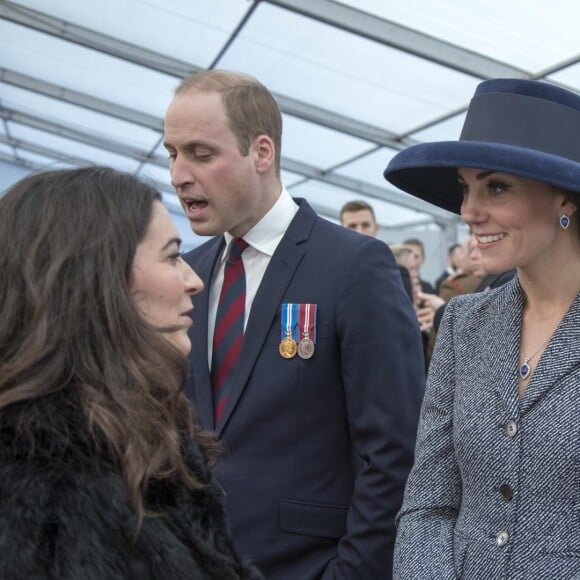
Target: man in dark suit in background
point(318, 412)
point(359, 216)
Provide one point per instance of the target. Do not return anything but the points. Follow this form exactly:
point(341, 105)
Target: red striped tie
point(229, 327)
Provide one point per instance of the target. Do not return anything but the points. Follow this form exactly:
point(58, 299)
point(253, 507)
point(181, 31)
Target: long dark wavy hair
point(69, 324)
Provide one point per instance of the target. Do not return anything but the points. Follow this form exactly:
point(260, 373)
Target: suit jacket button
point(511, 428)
point(506, 491)
point(502, 539)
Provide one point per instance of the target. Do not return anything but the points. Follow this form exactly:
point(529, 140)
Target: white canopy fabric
point(357, 80)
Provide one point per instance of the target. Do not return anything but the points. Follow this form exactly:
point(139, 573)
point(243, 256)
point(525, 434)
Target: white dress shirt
point(263, 239)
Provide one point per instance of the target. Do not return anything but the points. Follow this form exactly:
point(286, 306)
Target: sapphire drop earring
point(564, 221)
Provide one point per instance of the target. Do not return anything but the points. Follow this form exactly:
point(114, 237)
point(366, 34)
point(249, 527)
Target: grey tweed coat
point(495, 489)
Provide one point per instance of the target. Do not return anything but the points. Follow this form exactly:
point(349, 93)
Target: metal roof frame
point(357, 22)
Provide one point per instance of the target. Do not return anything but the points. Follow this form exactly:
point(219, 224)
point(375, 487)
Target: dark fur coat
point(65, 514)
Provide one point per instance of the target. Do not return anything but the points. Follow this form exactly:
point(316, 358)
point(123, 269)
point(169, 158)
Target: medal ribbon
point(308, 321)
point(289, 320)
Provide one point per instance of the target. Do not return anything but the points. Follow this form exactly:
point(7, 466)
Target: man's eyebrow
point(187, 145)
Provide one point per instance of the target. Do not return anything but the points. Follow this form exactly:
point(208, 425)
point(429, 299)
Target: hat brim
point(429, 170)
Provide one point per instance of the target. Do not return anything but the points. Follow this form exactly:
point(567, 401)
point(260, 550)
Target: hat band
point(524, 121)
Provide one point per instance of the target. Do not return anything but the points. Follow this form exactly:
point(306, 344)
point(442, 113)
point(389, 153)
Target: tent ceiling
point(356, 80)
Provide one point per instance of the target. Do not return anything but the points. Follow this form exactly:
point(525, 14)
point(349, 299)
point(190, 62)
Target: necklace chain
point(525, 369)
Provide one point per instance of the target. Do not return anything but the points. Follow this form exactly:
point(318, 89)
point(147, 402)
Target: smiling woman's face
point(162, 282)
point(515, 220)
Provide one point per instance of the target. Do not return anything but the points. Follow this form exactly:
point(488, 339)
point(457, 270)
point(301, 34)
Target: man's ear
point(264, 153)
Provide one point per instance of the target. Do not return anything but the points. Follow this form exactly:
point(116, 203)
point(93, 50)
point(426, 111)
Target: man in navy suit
point(322, 404)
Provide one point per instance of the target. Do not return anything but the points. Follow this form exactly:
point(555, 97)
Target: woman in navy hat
point(495, 489)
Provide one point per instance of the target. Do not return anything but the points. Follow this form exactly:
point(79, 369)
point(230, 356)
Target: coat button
point(502, 539)
point(511, 428)
point(506, 491)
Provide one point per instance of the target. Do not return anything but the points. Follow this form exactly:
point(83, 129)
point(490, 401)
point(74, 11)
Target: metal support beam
point(16, 161)
point(84, 36)
point(400, 37)
point(159, 62)
point(41, 87)
point(42, 150)
point(368, 189)
point(333, 120)
point(414, 224)
point(77, 135)
point(169, 197)
point(290, 107)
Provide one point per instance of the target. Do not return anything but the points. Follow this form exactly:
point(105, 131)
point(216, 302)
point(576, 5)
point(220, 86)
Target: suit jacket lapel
point(265, 308)
point(199, 367)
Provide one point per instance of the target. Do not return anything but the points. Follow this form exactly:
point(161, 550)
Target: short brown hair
point(250, 107)
point(356, 205)
point(415, 242)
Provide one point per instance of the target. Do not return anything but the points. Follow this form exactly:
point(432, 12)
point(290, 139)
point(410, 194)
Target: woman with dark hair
point(495, 488)
point(103, 468)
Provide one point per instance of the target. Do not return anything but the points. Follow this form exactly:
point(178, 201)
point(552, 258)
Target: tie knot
point(237, 247)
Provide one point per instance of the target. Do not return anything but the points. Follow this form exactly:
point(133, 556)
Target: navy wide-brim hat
point(522, 127)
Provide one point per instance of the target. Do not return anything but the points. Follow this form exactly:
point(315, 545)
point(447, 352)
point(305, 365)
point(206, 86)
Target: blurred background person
point(419, 287)
point(434, 305)
point(103, 467)
point(493, 280)
point(470, 272)
point(403, 256)
point(418, 259)
point(454, 256)
point(359, 216)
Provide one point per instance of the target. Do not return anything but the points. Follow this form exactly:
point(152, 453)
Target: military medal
point(305, 347)
point(307, 326)
point(288, 347)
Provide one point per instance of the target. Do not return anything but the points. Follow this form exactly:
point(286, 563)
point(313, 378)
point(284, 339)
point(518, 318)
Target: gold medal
point(305, 348)
point(287, 347)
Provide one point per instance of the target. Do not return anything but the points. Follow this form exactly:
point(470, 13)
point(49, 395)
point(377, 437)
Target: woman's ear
point(568, 207)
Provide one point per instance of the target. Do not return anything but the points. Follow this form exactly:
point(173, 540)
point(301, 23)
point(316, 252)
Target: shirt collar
point(267, 233)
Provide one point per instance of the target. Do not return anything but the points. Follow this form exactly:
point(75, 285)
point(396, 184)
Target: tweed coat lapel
point(500, 341)
point(500, 332)
point(265, 308)
point(560, 358)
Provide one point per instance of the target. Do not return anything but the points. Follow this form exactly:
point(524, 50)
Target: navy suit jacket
point(317, 450)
